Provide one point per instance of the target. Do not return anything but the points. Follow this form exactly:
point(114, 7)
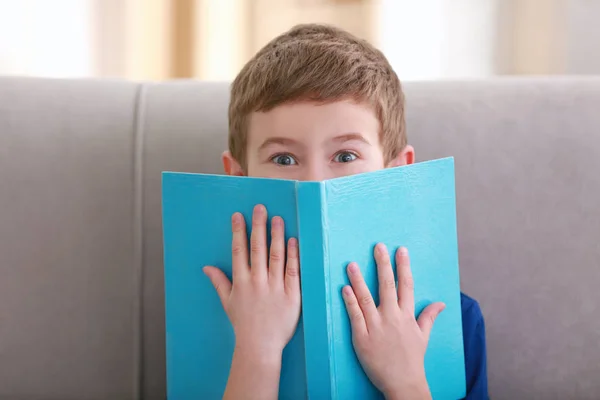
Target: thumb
point(428, 316)
point(220, 282)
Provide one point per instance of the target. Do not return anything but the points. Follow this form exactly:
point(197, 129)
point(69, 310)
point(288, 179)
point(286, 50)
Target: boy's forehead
point(313, 121)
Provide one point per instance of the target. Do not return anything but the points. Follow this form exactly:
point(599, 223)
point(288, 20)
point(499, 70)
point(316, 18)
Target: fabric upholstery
point(68, 326)
point(81, 279)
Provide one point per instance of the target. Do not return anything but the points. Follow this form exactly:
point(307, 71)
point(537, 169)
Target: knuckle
point(292, 254)
point(259, 222)
point(408, 283)
point(356, 315)
point(366, 300)
point(239, 227)
point(257, 280)
point(275, 237)
point(237, 249)
point(431, 319)
point(276, 257)
point(388, 283)
point(403, 320)
point(384, 258)
point(293, 271)
point(255, 245)
point(351, 301)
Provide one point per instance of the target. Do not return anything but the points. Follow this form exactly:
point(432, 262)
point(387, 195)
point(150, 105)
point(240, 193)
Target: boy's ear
point(405, 157)
point(230, 165)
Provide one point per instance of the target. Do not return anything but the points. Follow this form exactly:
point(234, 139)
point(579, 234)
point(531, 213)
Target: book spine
point(314, 274)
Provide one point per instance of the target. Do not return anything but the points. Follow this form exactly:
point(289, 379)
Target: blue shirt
point(475, 352)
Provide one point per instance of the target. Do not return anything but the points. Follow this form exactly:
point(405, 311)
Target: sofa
point(81, 267)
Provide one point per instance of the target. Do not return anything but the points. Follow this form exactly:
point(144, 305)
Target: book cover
point(336, 221)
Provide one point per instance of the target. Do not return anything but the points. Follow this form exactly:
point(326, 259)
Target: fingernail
point(236, 218)
point(259, 210)
point(276, 221)
point(353, 268)
point(347, 291)
point(403, 251)
point(380, 247)
point(293, 242)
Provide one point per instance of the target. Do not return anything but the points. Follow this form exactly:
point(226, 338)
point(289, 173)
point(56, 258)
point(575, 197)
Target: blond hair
point(320, 63)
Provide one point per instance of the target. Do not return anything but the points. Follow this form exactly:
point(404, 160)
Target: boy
point(318, 103)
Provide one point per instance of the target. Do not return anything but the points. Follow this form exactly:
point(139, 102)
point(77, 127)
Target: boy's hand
point(389, 341)
point(263, 303)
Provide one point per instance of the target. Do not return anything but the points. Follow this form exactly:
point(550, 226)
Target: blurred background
point(212, 39)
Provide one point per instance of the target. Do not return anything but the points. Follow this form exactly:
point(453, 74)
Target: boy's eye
point(345, 157)
point(284, 159)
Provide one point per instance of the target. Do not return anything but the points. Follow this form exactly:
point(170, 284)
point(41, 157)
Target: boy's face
point(307, 141)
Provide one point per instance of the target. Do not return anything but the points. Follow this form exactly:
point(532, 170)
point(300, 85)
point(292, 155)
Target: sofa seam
point(138, 240)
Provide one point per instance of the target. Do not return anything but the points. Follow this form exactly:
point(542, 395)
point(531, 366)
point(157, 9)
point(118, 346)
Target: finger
point(362, 293)
point(406, 286)
point(277, 253)
point(239, 248)
point(428, 316)
point(292, 269)
point(385, 276)
point(357, 319)
point(220, 282)
point(258, 243)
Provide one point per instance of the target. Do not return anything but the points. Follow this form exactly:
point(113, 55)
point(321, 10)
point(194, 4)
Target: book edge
point(315, 191)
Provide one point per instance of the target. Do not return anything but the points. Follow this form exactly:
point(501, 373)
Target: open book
point(336, 221)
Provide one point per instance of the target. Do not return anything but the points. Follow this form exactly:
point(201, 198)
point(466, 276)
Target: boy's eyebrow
point(276, 140)
point(350, 136)
point(287, 141)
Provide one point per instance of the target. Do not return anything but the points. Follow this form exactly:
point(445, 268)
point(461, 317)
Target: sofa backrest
point(81, 276)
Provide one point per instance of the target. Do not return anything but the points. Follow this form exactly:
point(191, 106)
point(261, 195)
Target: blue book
point(336, 221)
